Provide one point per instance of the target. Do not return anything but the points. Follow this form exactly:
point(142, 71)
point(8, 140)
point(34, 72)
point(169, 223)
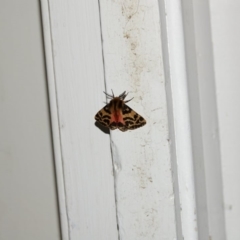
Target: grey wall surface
point(28, 197)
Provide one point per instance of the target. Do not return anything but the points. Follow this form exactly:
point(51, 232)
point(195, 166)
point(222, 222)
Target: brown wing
point(122, 127)
point(104, 117)
point(132, 120)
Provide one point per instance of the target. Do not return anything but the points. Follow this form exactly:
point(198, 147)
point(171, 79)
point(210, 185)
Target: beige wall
point(28, 198)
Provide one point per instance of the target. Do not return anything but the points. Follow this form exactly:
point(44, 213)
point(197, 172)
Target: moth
point(116, 114)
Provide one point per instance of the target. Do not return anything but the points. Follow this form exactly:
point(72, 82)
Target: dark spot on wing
point(126, 109)
point(107, 109)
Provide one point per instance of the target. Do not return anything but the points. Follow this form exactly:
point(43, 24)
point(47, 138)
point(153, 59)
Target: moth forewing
point(104, 116)
point(132, 119)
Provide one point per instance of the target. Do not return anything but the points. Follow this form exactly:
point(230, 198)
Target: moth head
point(121, 96)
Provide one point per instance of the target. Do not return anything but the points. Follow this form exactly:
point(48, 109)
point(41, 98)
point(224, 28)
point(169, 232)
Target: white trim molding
point(179, 118)
point(189, 69)
point(82, 151)
point(54, 118)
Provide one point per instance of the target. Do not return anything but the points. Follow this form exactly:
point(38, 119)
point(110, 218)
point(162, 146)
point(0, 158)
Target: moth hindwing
point(116, 114)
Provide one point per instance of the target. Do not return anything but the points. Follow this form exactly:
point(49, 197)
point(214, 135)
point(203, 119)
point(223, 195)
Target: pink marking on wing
point(117, 117)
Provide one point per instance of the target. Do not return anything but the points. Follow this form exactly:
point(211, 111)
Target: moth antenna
point(112, 93)
point(123, 95)
point(128, 100)
point(108, 95)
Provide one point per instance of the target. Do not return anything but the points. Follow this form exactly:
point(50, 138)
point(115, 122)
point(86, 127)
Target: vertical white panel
point(54, 119)
point(85, 149)
point(133, 62)
point(204, 121)
point(179, 120)
point(225, 20)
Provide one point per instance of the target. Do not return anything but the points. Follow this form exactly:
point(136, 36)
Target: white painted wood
point(225, 19)
point(54, 118)
point(77, 70)
point(211, 40)
point(204, 121)
point(147, 206)
point(179, 121)
point(133, 62)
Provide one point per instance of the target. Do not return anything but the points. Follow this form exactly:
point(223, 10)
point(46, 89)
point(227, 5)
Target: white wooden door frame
point(179, 117)
point(193, 136)
point(54, 119)
point(189, 62)
point(192, 101)
point(204, 119)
